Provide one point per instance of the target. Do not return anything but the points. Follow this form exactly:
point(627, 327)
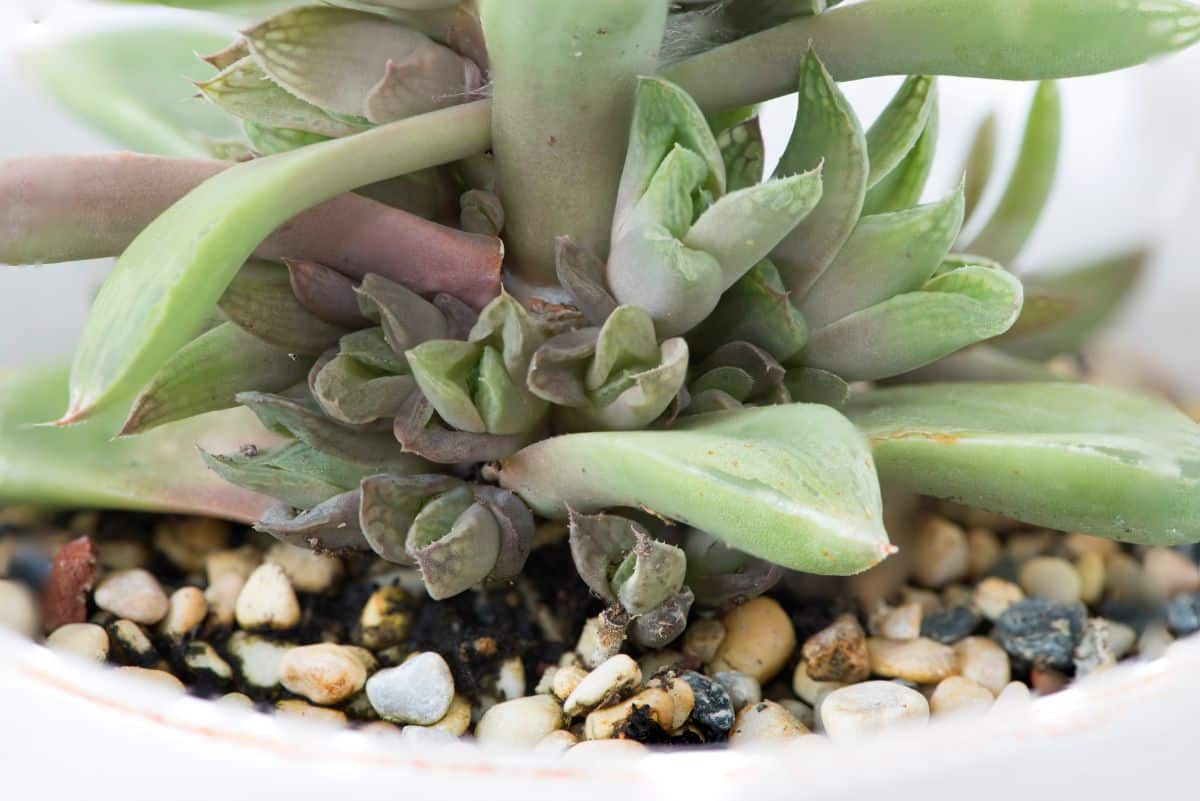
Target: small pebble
point(898, 623)
point(522, 722)
point(922, 660)
point(1183, 614)
point(862, 709)
point(85, 640)
point(683, 698)
point(386, 617)
point(325, 674)
point(838, 652)
point(427, 736)
point(595, 644)
point(18, 609)
point(1014, 696)
point(236, 699)
point(128, 644)
point(187, 541)
point(160, 677)
point(457, 719)
point(589, 753)
point(1090, 566)
point(1052, 578)
point(1121, 638)
point(743, 690)
point(1094, 652)
point(186, 609)
point(800, 710)
point(566, 679)
point(205, 665)
point(1024, 545)
point(268, 601)
point(133, 594)
point(958, 695)
point(1041, 631)
point(607, 722)
point(1154, 641)
point(713, 710)
point(258, 659)
point(227, 573)
point(1046, 680)
point(951, 625)
point(809, 689)
point(308, 570)
point(418, 691)
point(765, 722)
point(1078, 544)
point(1124, 579)
point(655, 661)
point(939, 552)
point(702, 639)
point(616, 675)
point(984, 662)
point(956, 595)
point(983, 551)
point(510, 681)
point(65, 592)
point(928, 600)
point(556, 743)
point(759, 638)
point(1170, 572)
point(316, 714)
point(993, 596)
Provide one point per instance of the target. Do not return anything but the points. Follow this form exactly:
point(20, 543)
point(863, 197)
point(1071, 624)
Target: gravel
point(418, 691)
point(1041, 631)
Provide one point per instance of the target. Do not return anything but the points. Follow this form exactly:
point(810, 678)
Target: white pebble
point(984, 550)
point(325, 674)
point(984, 662)
point(1051, 577)
point(565, 680)
point(1121, 638)
point(133, 594)
point(743, 690)
point(510, 681)
point(314, 714)
point(759, 640)
point(268, 601)
point(227, 573)
point(765, 722)
point(202, 658)
point(993, 596)
point(556, 743)
point(258, 659)
point(186, 610)
point(898, 623)
point(236, 699)
point(18, 609)
point(808, 689)
point(456, 721)
point(160, 677)
point(520, 723)
point(1014, 696)
point(939, 552)
point(872, 706)
point(922, 661)
point(615, 675)
point(418, 691)
point(596, 643)
point(85, 640)
point(957, 695)
point(592, 752)
point(308, 570)
point(1170, 572)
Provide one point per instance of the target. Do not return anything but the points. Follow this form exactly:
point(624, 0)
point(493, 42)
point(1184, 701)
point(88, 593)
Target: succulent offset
point(491, 268)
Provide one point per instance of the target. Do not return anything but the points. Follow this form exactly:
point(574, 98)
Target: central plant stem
point(564, 76)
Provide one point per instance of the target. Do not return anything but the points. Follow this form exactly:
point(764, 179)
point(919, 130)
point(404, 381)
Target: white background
point(1130, 172)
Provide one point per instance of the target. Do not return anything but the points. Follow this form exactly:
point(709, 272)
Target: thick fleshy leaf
point(370, 347)
point(952, 311)
point(1013, 221)
point(259, 300)
point(84, 467)
point(981, 159)
point(827, 135)
point(455, 543)
point(389, 506)
point(267, 141)
point(331, 527)
point(517, 529)
point(407, 318)
point(982, 363)
point(902, 187)
point(732, 381)
point(892, 136)
point(662, 626)
point(723, 577)
point(622, 563)
point(482, 213)
point(744, 154)
point(810, 385)
point(648, 396)
point(887, 255)
point(792, 484)
point(417, 433)
point(766, 373)
point(581, 273)
point(132, 85)
point(351, 392)
point(160, 291)
point(207, 374)
point(294, 473)
point(556, 373)
point(1063, 456)
point(757, 309)
point(326, 293)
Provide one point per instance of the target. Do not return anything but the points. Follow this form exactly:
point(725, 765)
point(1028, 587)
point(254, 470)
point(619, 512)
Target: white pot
point(76, 730)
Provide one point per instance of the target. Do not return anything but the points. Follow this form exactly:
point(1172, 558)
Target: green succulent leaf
point(981, 160)
point(207, 374)
point(811, 385)
point(744, 154)
point(887, 255)
point(292, 473)
point(268, 141)
point(260, 301)
point(418, 433)
point(766, 373)
point(406, 318)
point(623, 564)
point(326, 293)
point(756, 309)
point(1064, 456)
point(1013, 222)
point(330, 527)
point(723, 577)
point(952, 311)
point(582, 274)
point(827, 135)
point(390, 505)
point(792, 484)
point(892, 136)
point(370, 347)
point(354, 393)
point(982, 363)
point(902, 187)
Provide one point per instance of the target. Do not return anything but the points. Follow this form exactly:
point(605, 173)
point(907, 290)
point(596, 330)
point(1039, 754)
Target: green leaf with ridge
point(892, 136)
point(981, 160)
point(903, 186)
point(260, 301)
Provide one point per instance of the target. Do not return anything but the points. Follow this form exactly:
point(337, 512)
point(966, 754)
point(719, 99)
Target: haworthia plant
point(679, 362)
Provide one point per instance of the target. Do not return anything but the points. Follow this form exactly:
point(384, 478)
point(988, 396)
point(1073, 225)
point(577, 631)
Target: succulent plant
point(704, 370)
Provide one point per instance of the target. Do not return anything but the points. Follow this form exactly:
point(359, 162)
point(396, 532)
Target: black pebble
point(1183, 613)
point(713, 710)
point(951, 625)
point(1041, 631)
point(29, 566)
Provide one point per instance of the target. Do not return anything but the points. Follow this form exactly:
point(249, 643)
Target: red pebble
point(64, 596)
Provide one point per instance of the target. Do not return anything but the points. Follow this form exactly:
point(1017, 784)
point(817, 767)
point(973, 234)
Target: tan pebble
point(702, 639)
point(160, 677)
point(86, 640)
point(545, 685)
point(759, 639)
point(325, 674)
point(268, 601)
point(221, 596)
point(956, 595)
point(316, 714)
point(258, 659)
point(596, 643)
point(617, 674)
point(128, 637)
point(133, 594)
point(765, 722)
point(1124, 579)
point(993, 596)
point(590, 752)
point(838, 652)
point(655, 661)
point(1014, 696)
point(605, 723)
point(236, 699)
point(929, 602)
point(1090, 566)
point(368, 660)
point(386, 617)
point(510, 680)
point(983, 551)
point(519, 723)
point(870, 707)
point(122, 554)
point(1051, 577)
point(566, 679)
point(236, 561)
point(1170, 572)
point(984, 662)
point(187, 541)
point(1121, 638)
point(809, 689)
point(1154, 641)
point(1024, 545)
point(958, 695)
point(683, 698)
point(202, 659)
point(939, 552)
point(1047, 680)
point(186, 610)
point(556, 743)
point(19, 609)
point(457, 719)
point(308, 571)
point(922, 660)
point(901, 622)
point(1078, 544)
point(800, 711)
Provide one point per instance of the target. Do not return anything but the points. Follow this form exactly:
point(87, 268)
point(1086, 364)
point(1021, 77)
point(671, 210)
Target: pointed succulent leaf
point(647, 394)
point(744, 154)
point(981, 159)
point(352, 392)
point(952, 311)
point(390, 505)
point(455, 542)
point(582, 274)
point(1013, 222)
point(260, 301)
point(827, 135)
point(517, 528)
point(903, 187)
point(245, 91)
point(711, 400)
point(292, 473)
point(557, 370)
point(811, 385)
point(766, 373)
point(460, 318)
point(481, 213)
point(894, 134)
point(1064, 456)
point(208, 373)
point(445, 370)
point(326, 293)
point(370, 347)
point(723, 577)
point(626, 344)
point(506, 326)
point(623, 564)
point(418, 433)
point(757, 309)
point(887, 255)
point(267, 141)
point(732, 381)
point(661, 626)
point(407, 318)
point(793, 484)
point(331, 527)
point(982, 363)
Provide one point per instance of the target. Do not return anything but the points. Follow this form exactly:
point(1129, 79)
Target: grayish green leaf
point(894, 134)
